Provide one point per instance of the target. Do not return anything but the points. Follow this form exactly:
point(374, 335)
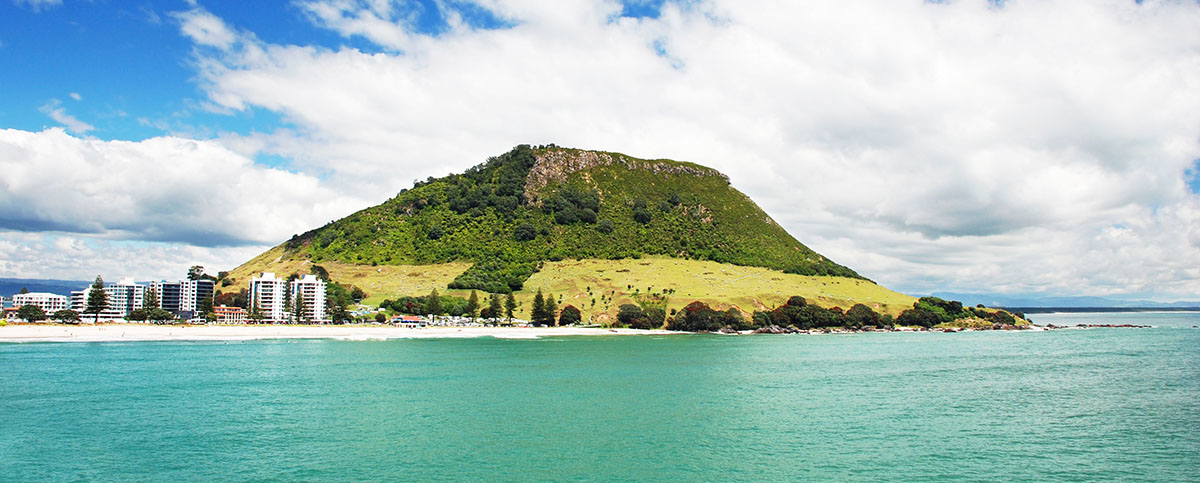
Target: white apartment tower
point(268, 293)
point(309, 291)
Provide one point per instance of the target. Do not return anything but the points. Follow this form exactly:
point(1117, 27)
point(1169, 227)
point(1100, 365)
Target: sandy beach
point(143, 332)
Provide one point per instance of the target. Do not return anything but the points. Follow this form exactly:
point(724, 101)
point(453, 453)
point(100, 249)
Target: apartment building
point(123, 297)
point(308, 293)
point(268, 292)
point(183, 298)
point(49, 302)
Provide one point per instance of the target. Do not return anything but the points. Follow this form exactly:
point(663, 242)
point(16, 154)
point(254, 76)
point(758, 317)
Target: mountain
point(521, 220)
point(11, 286)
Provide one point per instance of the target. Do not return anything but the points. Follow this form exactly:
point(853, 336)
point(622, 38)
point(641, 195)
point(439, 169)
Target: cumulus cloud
point(1034, 147)
point(163, 189)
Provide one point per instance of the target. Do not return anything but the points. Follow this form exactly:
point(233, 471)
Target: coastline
point(145, 333)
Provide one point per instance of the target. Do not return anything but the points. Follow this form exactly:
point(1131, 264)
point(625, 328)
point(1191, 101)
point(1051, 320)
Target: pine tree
point(551, 311)
point(473, 306)
point(299, 308)
point(510, 304)
point(151, 301)
point(494, 307)
point(537, 314)
point(433, 304)
point(97, 299)
point(255, 309)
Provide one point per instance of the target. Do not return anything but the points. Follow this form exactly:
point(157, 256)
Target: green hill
point(497, 224)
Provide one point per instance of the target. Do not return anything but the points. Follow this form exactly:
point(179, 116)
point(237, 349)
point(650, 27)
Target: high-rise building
point(123, 297)
point(308, 293)
point(183, 298)
point(268, 293)
point(191, 294)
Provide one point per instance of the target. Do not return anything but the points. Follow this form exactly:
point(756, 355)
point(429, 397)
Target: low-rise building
point(48, 302)
point(230, 315)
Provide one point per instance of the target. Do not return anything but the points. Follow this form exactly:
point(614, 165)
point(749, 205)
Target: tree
point(66, 315)
point(551, 309)
point(537, 313)
point(860, 316)
point(97, 299)
point(656, 317)
point(195, 273)
point(151, 300)
point(433, 304)
point(510, 304)
point(255, 309)
point(24, 290)
point(320, 272)
point(158, 315)
point(136, 315)
point(632, 315)
point(570, 316)
point(31, 313)
point(604, 227)
point(472, 307)
point(379, 317)
point(299, 308)
point(494, 307)
point(205, 306)
point(525, 232)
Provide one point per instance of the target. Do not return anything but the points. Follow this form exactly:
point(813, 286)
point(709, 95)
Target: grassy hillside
point(614, 282)
point(611, 283)
point(510, 215)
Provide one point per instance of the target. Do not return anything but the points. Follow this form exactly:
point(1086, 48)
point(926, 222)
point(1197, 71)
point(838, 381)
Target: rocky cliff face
point(555, 165)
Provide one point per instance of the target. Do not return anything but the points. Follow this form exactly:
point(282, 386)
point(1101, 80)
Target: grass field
point(379, 282)
point(610, 283)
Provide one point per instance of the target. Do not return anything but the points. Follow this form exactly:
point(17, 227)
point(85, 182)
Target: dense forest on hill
point(530, 205)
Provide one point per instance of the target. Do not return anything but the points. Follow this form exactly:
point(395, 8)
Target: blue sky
point(968, 146)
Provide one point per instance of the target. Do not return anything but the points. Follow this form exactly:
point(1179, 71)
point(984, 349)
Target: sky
point(1018, 147)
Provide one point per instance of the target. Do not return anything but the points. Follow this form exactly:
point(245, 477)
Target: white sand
point(142, 332)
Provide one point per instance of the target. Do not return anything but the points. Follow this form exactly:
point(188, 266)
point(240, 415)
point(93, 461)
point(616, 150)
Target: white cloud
point(1038, 147)
point(930, 146)
point(161, 189)
point(55, 111)
point(67, 257)
point(205, 28)
point(76, 96)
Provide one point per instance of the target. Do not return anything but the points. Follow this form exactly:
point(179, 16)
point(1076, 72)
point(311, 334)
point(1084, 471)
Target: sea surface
point(1067, 405)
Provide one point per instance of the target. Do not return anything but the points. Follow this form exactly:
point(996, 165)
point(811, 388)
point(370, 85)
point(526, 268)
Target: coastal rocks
point(775, 329)
point(1112, 326)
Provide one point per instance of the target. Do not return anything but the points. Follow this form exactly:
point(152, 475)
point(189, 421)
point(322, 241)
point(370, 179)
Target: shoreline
point(123, 332)
point(147, 333)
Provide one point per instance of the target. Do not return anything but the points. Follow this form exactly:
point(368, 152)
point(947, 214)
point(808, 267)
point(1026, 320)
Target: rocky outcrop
point(555, 165)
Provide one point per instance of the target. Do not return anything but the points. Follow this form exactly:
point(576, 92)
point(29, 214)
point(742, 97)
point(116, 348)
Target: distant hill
point(993, 300)
point(10, 286)
point(495, 226)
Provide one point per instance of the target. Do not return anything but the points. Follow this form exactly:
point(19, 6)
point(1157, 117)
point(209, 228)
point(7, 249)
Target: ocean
point(1068, 405)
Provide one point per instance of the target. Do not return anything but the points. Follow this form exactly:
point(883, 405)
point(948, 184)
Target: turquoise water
point(1099, 404)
